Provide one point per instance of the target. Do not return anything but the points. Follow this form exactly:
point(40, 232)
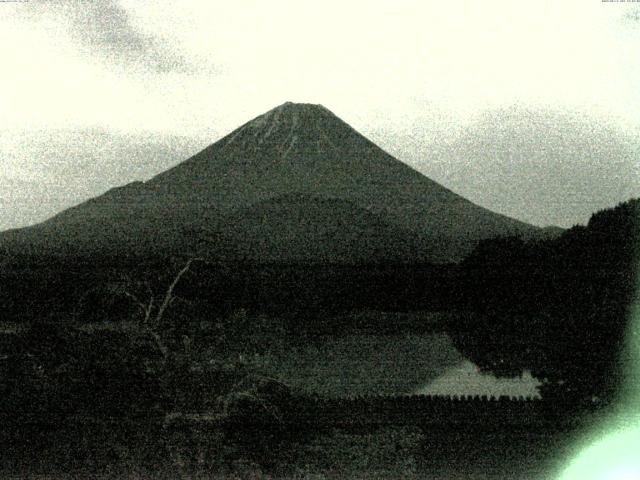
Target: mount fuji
point(296, 184)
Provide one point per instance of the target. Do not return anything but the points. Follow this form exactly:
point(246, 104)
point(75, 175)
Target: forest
point(106, 363)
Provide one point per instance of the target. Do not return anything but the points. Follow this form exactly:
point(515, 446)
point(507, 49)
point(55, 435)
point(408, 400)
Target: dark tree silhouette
point(557, 307)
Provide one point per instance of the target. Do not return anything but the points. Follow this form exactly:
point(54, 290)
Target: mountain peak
point(296, 109)
point(300, 106)
point(290, 129)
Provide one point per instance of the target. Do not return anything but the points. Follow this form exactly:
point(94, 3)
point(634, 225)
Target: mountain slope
point(294, 148)
point(305, 148)
point(298, 228)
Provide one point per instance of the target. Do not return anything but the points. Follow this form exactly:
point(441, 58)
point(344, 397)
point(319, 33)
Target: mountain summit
point(289, 127)
point(274, 188)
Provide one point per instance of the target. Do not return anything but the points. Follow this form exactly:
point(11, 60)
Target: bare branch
point(158, 341)
point(149, 309)
point(151, 323)
point(168, 298)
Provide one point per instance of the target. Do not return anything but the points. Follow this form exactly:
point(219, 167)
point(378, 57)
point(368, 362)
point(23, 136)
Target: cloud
point(105, 29)
point(541, 166)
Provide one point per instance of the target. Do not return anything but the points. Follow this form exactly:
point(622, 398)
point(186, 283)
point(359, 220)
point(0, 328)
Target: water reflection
point(466, 379)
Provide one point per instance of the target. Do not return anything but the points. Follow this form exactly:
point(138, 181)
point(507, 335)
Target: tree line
point(559, 307)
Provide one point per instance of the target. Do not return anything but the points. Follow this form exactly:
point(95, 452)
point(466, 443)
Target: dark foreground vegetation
point(560, 308)
point(115, 366)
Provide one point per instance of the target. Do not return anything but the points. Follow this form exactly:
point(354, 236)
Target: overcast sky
point(531, 109)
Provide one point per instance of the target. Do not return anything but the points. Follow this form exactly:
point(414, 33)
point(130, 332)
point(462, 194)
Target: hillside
point(308, 229)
